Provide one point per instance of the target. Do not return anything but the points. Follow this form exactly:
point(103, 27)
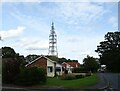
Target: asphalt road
point(112, 80)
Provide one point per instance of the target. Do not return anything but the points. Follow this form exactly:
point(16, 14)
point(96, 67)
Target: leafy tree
point(61, 60)
point(31, 57)
point(69, 60)
point(109, 51)
point(11, 63)
point(90, 64)
point(10, 69)
point(8, 52)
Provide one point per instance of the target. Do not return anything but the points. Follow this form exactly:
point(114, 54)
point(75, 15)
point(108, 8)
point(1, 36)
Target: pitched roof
point(74, 64)
point(39, 58)
point(54, 58)
point(64, 64)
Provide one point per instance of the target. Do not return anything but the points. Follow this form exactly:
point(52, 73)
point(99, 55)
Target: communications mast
point(52, 42)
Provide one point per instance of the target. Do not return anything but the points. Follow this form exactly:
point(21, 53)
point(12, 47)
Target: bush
point(68, 77)
point(10, 69)
point(79, 70)
point(79, 76)
point(88, 74)
point(31, 76)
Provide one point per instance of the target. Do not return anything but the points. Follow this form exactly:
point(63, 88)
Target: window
point(58, 69)
point(50, 68)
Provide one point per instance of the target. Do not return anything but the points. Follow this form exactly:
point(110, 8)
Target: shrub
point(79, 76)
point(79, 70)
point(68, 77)
point(31, 76)
point(10, 69)
point(88, 74)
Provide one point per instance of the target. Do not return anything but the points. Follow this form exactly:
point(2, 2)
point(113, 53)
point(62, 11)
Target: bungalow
point(74, 64)
point(52, 67)
point(68, 66)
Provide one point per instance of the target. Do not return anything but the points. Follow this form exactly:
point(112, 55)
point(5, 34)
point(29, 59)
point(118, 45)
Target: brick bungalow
point(48, 64)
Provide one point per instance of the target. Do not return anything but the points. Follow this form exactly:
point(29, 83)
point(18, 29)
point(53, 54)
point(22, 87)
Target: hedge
point(68, 77)
point(79, 76)
point(31, 76)
point(79, 70)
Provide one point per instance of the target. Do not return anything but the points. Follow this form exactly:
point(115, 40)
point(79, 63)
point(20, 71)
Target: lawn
point(79, 83)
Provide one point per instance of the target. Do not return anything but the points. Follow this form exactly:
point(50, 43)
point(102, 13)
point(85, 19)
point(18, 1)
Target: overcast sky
point(79, 26)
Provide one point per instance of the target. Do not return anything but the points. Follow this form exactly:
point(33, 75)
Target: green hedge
point(68, 77)
point(88, 74)
point(31, 76)
point(73, 76)
point(79, 70)
point(79, 76)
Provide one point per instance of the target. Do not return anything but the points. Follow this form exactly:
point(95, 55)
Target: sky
point(80, 26)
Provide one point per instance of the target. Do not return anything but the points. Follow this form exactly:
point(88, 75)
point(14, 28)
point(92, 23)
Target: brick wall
point(42, 62)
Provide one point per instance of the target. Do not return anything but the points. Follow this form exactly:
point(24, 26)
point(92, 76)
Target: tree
point(8, 52)
point(11, 63)
point(10, 69)
point(61, 60)
point(90, 64)
point(109, 51)
point(30, 57)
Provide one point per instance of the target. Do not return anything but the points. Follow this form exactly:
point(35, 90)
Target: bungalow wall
point(50, 69)
point(42, 62)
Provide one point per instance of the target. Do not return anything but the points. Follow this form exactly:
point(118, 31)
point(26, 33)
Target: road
point(112, 80)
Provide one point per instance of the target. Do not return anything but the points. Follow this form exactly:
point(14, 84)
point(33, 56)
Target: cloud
point(79, 47)
point(113, 21)
point(70, 18)
point(60, 0)
point(84, 12)
point(34, 23)
point(32, 44)
point(73, 39)
point(31, 49)
point(22, 0)
point(12, 32)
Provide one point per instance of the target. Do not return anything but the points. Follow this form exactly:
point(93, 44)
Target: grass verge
point(78, 83)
